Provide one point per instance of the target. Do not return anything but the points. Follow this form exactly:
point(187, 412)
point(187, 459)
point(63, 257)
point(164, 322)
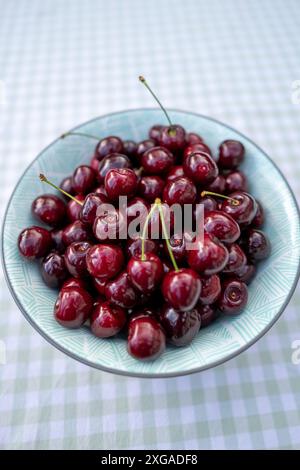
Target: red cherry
point(157, 160)
point(256, 245)
point(231, 154)
point(57, 242)
point(90, 206)
point(120, 292)
point(104, 261)
point(73, 307)
point(195, 148)
point(146, 274)
point(181, 289)
point(112, 161)
point(237, 259)
point(243, 212)
point(74, 209)
point(120, 182)
point(211, 289)
point(235, 181)
point(146, 339)
point(233, 297)
point(200, 167)
point(180, 191)
point(110, 226)
point(75, 258)
point(150, 187)
point(143, 146)
point(67, 185)
point(207, 314)
point(53, 269)
point(259, 218)
point(209, 257)
point(172, 138)
point(134, 247)
point(107, 320)
point(155, 132)
point(221, 226)
point(49, 209)
point(245, 273)
point(34, 242)
point(192, 138)
point(83, 179)
point(180, 327)
point(108, 146)
point(217, 185)
point(75, 232)
point(174, 173)
point(74, 282)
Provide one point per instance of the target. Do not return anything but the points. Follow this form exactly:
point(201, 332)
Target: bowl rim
point(135, 374)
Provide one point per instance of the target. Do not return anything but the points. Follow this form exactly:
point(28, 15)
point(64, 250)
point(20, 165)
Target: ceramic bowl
point(269, 292)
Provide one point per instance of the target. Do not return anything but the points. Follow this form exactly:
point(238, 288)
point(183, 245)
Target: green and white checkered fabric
point(63, 62)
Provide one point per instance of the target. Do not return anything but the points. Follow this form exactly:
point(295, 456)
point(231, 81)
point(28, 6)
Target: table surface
point(64, 62)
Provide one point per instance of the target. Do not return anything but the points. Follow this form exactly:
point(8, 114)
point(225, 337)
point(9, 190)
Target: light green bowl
point(269, 292)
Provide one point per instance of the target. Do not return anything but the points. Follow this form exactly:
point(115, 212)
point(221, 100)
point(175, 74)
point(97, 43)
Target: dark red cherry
point(200, 167)
point(217, 185)
point(245, 273)
point(56, 235)
point(99, 285)
point(181, 289)
point(115, 160)
point(75, 258)
point(259, 218)
point(83, 179)
point(180, 191)
point(75, 232)
point(231, 154)
point(172, 138)
point(256, 245)
point(147, 274)
point(73, 307)
point(180, 327)
point(146, 339)
point(192, 138)
point(150, 187)
point(207, 314)
point(157, 160)
point(94, 164)
point(121, 292)
point(235, 181)
point(74, 209)
point(130, 149)
point(221, 226)
point(134, 247)
point(174, 173)
point(178, 246)
point(107, 146)
point(67, 185)
point(110, 226)
point(237, 259)
point(137, 210)
point(100, 190)
point(155, 132)
point(107, 320)
point(120, 182)
point(233, 297)
point(34, 242)
point(209, 203)
point(53, 269)
point(143, 146)
point(74, 282)
point(49, 209)
point(209, 256)
point(196, 148)
point(211, 288)
point(90, 207)
point(104, 261)
point(243, 212)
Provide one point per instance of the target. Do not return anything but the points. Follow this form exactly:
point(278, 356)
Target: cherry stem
point(143, 80)
point(234, 202)
point(81, 134)
point(45, 180)
point(164, 228)
point(153, 208)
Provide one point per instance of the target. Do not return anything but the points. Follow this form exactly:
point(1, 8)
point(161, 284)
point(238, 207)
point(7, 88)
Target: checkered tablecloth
point(63, 62)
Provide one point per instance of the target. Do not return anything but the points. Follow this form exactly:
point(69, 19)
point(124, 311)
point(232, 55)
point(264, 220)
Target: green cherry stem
point(143, 81)
point(234, 202)
point(81, 134)
point(164, 228)
point(153, 208)
point(45, 180)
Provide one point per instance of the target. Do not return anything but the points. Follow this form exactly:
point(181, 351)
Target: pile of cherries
point(154, 290)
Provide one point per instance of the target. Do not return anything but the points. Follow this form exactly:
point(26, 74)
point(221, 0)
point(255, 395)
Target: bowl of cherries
point(152, 303)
